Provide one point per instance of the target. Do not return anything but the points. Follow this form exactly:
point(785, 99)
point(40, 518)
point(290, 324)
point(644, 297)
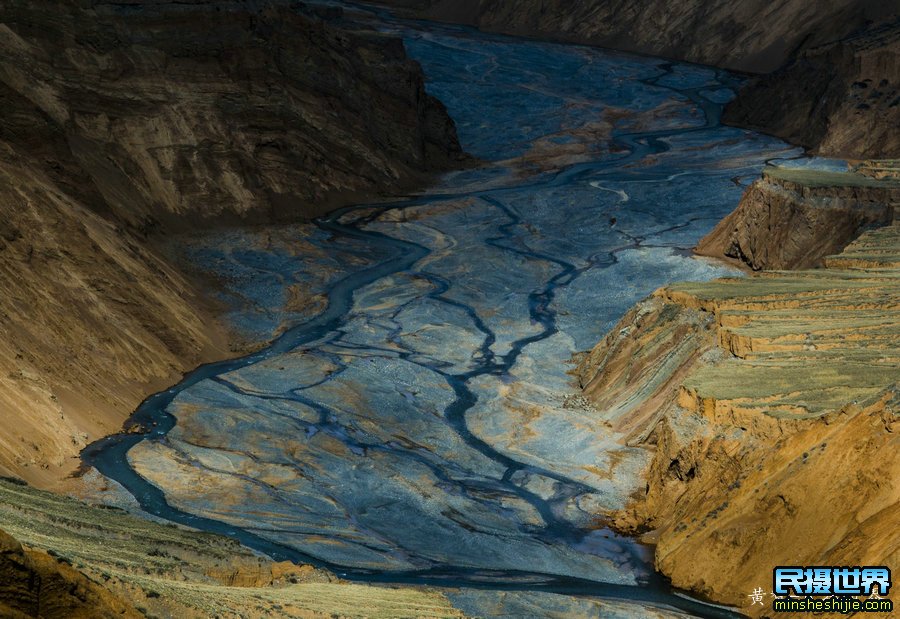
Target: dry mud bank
point(770, 403)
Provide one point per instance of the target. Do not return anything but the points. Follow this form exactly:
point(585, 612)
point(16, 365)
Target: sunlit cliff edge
point(770, 401)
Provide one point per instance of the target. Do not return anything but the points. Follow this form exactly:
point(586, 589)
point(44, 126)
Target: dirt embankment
point(75, 560)
point(121, 122)
point(771, 405)
point(793, 219)
point(34, 584)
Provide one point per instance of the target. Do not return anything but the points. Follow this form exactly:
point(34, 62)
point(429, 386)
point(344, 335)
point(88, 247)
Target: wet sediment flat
point(413, 420)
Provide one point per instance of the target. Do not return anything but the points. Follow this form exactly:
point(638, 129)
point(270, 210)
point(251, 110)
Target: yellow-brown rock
point(794, 218)
point(268, 574)
point(91, 316)
point(34, 584)
point(771, 403)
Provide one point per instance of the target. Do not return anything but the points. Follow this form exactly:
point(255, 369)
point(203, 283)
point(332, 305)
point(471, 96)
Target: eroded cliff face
point(754, 36)
point(771, 405)
point(838, 99)
point(91, 317)
point(793, 219)
point(124, 120)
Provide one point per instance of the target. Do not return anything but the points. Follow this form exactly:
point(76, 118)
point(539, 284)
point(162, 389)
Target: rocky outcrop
point(839, 99)
point(121, 119)
point(770, 403)
point(268, 574)
point(793, 219)
point(754, 36)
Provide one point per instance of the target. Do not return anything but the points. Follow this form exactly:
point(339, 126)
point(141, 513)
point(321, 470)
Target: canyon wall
point(753, 36)
point(832, 69)
point(770, 405)
point(124, 120)
point(839, 99)
point(217, 111)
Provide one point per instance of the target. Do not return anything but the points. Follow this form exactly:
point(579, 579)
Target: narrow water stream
point(420, 429)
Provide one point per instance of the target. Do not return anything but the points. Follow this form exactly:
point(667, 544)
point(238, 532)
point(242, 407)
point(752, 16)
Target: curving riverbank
point(123, 125)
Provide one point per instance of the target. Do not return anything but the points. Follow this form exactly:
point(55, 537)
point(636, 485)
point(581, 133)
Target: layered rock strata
point(771, 405)
point(793, 219)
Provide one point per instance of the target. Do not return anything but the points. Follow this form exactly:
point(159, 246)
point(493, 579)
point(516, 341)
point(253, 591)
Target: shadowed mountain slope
point(124, 119)
point(755, 36)
point(839, 99)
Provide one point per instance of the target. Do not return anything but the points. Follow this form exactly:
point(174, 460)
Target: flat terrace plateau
point(771, 405)
point(816, 178)
point(804, 343)
point(167, 570)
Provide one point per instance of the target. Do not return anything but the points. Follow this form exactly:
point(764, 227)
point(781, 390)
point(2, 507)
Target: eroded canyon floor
point(413, 419)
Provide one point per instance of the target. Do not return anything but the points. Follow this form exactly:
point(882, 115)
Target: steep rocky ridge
point(91, 316)
point(794, 218)
point(753, 36)
point(770, 403)
point(840, 99)
point(120, 120)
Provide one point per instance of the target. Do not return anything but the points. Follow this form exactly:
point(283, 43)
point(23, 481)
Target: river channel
point(413, 420)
